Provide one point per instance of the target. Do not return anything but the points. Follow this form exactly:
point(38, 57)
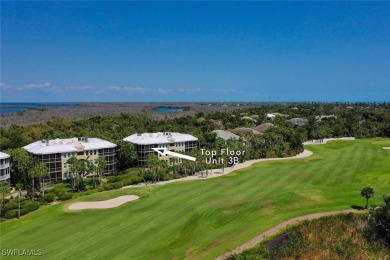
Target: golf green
point(204, 219)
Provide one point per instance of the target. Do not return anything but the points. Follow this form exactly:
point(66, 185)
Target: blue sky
point(195, 51)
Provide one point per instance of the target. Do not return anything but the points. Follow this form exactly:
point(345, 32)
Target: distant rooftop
point(67, 145)
point(4, 155)
point(226, 135)
point(319, 118)
point(298, 121)
point(244, 130)
point(272, 115)
point(159, 138)
point(263, 127)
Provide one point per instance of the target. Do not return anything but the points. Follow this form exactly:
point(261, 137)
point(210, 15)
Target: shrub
point(176, 176)
point(88, 181)
point(111, 179)
point(127, 179)
point(270, 154)
point(49, 197)
point(65, 196)
point(23, 212)
point(380, 219)
point(116, 185)
point(59, 189)
point(11, 205)
point(30, 205)
point(11, 213)
point(132, 180)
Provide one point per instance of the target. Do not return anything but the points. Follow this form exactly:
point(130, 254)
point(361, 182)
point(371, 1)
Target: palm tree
point(18, 188)
point(162, 166)
point(39, 170)
point(153, 162)
point(77, 167)
point(4, 189)
point(101, 165)
point(42, 171)
point(367, 192)
point(91, 170)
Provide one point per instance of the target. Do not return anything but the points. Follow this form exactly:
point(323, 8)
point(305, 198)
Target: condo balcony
point(4, 165)
point(5, 177)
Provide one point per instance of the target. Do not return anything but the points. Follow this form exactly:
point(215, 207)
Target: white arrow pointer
point(164, 152)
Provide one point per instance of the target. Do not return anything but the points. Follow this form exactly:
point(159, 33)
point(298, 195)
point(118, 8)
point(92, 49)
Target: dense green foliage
point(284, 139)
point(204, 219)
point(380, 220)
point(334, 237)
point(12, 207)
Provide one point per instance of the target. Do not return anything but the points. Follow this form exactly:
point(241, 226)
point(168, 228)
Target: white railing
point(4, 165)
point(4, 177)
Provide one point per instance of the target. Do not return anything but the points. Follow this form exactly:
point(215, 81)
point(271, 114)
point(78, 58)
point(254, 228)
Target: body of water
point(10, 107)
point(169, 109)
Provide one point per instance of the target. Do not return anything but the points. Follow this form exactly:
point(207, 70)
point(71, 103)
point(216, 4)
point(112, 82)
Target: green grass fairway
point(203, 219)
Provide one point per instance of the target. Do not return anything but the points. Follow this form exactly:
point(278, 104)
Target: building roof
point(244, 130)
point(4, 155)
point(226, 135)
point(67, 145)
point(319, 118)
point(159, 138)
point(298, 121)
point(216, 122)
point(272, 115)
point(248, 118)
point(263, 127)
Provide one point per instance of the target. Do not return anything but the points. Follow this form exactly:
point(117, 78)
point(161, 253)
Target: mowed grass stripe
point(341, 167)
point(203, 219)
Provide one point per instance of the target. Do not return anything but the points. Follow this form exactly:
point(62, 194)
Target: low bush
point(30, 205)
point(13, 204)
point(49, 197)
point(24, 212)
point(60, 189)
point(65, 196)
point(11, 213)
point(12, 207)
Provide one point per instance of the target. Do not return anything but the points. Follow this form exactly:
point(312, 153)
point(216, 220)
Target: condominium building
point(56, 153)
point(4, 167)
point(175, 142)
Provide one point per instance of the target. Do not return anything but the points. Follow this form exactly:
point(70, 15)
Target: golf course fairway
point(204, 219)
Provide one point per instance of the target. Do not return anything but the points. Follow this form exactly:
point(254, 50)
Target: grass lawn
point(203, 219)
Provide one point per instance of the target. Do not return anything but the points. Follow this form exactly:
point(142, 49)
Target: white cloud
point(80, 88)
point(4, 86)
point(219, 90)
point(139, 90)
point(50, 87)
point(145, 90)
point(46, 87)
point(114, 88)
point(39, 86)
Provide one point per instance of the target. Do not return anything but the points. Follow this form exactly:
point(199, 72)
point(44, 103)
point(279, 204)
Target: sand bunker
point(105, 204)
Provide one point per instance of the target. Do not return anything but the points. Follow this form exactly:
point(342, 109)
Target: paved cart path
point(325, 140)
point(253, 242)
